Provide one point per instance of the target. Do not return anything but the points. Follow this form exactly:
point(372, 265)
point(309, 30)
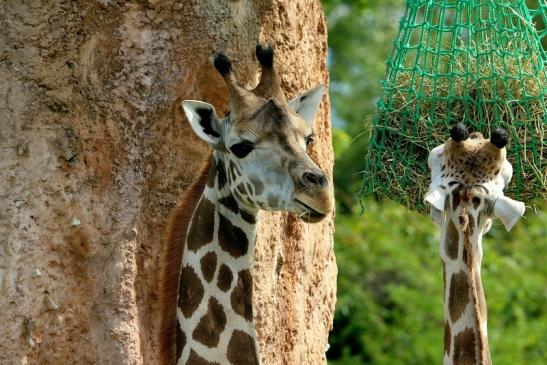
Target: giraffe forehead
point(272, 117)
point(283, 134)
point(269, 119)
point(478, 149)
point(472, 162)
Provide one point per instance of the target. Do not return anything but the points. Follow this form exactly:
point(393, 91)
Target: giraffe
point(259, 162)
point(468, 175)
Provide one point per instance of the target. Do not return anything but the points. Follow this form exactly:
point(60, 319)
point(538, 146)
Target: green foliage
point(390, 286)
point(538, 10)
point(360, 38)
point(389, 308)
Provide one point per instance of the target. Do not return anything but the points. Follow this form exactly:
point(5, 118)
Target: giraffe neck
point(214, 307)
point(465, 330)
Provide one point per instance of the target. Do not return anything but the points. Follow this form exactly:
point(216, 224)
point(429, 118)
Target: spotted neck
point(214, 308)
point(465, 332)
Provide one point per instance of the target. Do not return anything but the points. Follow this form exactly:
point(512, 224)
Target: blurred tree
point(360, 38)
point(538, 9)
point(389, 305)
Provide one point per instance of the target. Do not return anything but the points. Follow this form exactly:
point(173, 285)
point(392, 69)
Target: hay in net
point(476, 62)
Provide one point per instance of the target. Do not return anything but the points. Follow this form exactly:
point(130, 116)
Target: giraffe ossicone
point(259, 162)
point(468, 175)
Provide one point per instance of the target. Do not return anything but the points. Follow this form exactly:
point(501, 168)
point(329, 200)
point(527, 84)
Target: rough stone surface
point(95, 152)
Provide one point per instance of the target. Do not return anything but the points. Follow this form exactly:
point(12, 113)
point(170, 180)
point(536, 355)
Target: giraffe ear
point(436, 195)
point(508, 211)
point(306, 105)
point(436, 198)
point(204, 120)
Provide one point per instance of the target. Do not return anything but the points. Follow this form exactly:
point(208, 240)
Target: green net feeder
point(478, 62)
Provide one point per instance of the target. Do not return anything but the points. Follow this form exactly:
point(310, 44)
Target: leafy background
point(389, 308)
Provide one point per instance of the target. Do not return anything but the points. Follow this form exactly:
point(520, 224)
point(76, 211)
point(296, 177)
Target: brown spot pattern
point(447, 337)
point(451, 241)
point(272, 200)
point(231, 203)
point(242, 296)
point(211, 177)
point(201, 227)
point(470, 224)
point(258, 185)
point(190, 291)
point(250, 218)
point(208, 266)
point(195, 359)
point(181, 341)
point(221, 174)
point(225, 277)
point(231, 238)
point(458, 297)
point(211, 325)
point(476, 202)
point(456, 197)
point(241, 349)
point(465, 352)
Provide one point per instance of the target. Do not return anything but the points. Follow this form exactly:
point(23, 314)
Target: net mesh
point(478, 62)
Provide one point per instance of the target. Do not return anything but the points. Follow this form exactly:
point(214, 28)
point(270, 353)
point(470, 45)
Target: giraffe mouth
point(310, 215)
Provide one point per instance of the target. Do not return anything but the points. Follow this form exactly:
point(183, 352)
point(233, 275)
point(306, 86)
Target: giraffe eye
point(241, 149)
point(309, 140)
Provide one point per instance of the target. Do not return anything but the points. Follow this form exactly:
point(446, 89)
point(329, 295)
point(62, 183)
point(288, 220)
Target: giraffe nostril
point(310, 178)
point(476, 202)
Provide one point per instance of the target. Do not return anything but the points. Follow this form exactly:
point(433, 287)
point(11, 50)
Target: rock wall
point(95, 152)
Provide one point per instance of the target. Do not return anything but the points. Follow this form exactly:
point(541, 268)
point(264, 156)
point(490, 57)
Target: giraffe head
point(261, 145)
point(468, 175)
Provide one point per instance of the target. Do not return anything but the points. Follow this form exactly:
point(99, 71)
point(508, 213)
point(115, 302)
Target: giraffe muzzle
point(310, 215)
point(314, 198)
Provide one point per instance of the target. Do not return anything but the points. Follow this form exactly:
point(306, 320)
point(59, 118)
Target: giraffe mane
point(171, 261)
